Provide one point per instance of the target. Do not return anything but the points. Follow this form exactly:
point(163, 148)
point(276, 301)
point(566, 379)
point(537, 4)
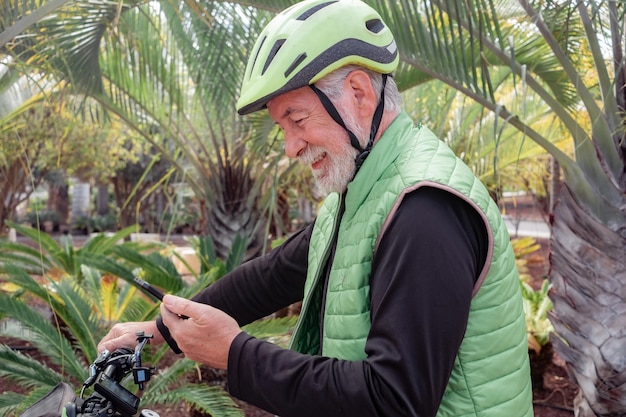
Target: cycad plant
point(68, 344)
point(80, 303)
point(62, 300)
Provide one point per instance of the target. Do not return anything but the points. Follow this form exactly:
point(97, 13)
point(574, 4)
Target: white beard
point(340, 166)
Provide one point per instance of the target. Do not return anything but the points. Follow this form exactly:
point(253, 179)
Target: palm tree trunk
point(555, 183)
point(62, 205)
point(588, 273)
point(102, 199)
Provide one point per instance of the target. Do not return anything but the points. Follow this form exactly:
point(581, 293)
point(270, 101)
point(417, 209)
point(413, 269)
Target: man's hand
point(125, 335)
point(205, 336)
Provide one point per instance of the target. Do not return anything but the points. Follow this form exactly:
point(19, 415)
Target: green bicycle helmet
point(309, 40)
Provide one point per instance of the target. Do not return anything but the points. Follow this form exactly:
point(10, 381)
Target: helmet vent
point(256, 55)
point(313, 10)
point(277, 45)
point(295, 64)
point(374, 25)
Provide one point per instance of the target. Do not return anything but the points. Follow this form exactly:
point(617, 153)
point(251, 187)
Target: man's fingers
point(107, 341)
point(182, 307)
point(112, 343)
point(125, 335)
point(106, 346)
point(167, 315)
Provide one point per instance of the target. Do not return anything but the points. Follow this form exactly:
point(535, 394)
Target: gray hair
point(332, 86)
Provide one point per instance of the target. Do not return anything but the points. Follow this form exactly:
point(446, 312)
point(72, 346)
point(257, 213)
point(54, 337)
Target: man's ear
point(362, 94)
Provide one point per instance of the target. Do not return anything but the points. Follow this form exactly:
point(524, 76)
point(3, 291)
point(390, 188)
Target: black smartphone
point(149, 289)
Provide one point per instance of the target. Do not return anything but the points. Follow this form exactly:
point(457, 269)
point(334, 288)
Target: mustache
point(311, 154)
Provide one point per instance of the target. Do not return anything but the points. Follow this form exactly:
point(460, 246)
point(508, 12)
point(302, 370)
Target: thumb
point(180, 306)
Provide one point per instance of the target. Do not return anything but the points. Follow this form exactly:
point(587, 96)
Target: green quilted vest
point(491, 375)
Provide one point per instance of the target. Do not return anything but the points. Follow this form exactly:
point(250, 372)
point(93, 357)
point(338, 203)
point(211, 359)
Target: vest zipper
point(323, 266)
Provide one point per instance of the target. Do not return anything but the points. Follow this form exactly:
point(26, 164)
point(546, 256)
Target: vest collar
point(386, 150)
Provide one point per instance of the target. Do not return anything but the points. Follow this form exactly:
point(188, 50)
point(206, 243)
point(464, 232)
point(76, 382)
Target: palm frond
point(26, 371)
point(16, 20)
point(139, 309)
point(212, 400)
point(24, 256)
point(106, 264)
point(46, 248)
point(161, 384)
point(271, 328)
point(199, 29)
point(106, 288)
point(103, 243)
point(155, 268)
point(22, 279)
point(47, 45)
point(115, 299)
point(9, 402)
point(32, 327)
point(77, 313)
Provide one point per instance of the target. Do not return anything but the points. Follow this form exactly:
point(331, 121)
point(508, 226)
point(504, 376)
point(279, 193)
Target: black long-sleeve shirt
point(421, 284)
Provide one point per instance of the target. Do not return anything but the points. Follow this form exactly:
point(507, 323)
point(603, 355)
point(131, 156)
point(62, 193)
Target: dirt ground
point(555, 398)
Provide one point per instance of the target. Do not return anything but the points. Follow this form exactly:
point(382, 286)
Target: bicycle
point(109, 398)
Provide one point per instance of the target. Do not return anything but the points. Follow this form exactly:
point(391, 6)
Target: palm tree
point(18, 151)
point(465, 45)
point(476, 47)
point(154, 76)
point(492, 150)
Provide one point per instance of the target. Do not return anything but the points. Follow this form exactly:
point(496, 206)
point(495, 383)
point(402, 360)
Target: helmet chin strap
point(376, 119)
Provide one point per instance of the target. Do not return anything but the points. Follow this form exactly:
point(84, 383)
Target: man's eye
point(299, 121)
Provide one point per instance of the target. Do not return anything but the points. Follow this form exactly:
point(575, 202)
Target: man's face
point(313, 137)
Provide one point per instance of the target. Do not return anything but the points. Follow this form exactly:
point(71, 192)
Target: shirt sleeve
point(259, 287)
point(421, 287)
point(262, 285)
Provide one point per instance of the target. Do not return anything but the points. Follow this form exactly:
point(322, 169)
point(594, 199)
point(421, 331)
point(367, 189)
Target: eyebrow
point(288, 111)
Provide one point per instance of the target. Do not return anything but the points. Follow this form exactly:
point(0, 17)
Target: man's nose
point(294, 145)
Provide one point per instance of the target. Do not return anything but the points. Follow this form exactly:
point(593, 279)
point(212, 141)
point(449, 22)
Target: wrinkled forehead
point(300, 99)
